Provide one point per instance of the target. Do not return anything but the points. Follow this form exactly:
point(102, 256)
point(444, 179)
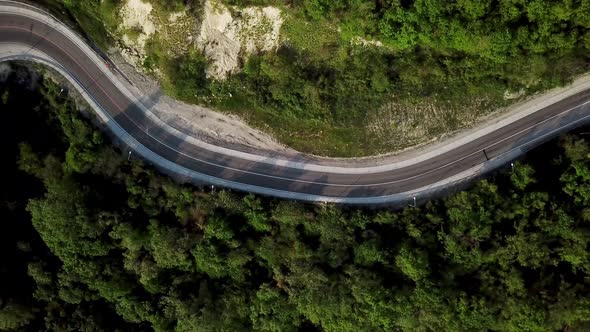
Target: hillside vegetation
point(359, 77)
point(93, 242)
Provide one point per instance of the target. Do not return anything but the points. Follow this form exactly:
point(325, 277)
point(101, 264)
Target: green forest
point(93, 242)
point(440, 66)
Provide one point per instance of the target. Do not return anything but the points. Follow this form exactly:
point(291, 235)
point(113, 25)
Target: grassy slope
point(439, 69)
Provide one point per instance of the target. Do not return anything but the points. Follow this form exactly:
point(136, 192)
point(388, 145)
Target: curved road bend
point(27, 33)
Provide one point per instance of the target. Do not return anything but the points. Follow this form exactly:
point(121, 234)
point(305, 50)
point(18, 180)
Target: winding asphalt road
point(28, 33)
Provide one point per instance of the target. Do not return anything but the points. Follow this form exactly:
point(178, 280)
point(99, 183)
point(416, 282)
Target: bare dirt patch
point(138, 27)
point(226, 39)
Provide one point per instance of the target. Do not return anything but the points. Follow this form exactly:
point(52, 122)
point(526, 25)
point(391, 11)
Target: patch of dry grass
point(399, 125)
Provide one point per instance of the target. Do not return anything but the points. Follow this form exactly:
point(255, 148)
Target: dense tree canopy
point(105, 243)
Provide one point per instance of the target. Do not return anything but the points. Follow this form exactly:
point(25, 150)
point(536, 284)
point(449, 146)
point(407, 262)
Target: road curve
point(27, 33)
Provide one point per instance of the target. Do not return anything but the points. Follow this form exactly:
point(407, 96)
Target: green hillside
point(361, 77)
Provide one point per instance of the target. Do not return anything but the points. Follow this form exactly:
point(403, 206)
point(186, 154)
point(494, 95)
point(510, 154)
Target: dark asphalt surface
point(19, 29)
